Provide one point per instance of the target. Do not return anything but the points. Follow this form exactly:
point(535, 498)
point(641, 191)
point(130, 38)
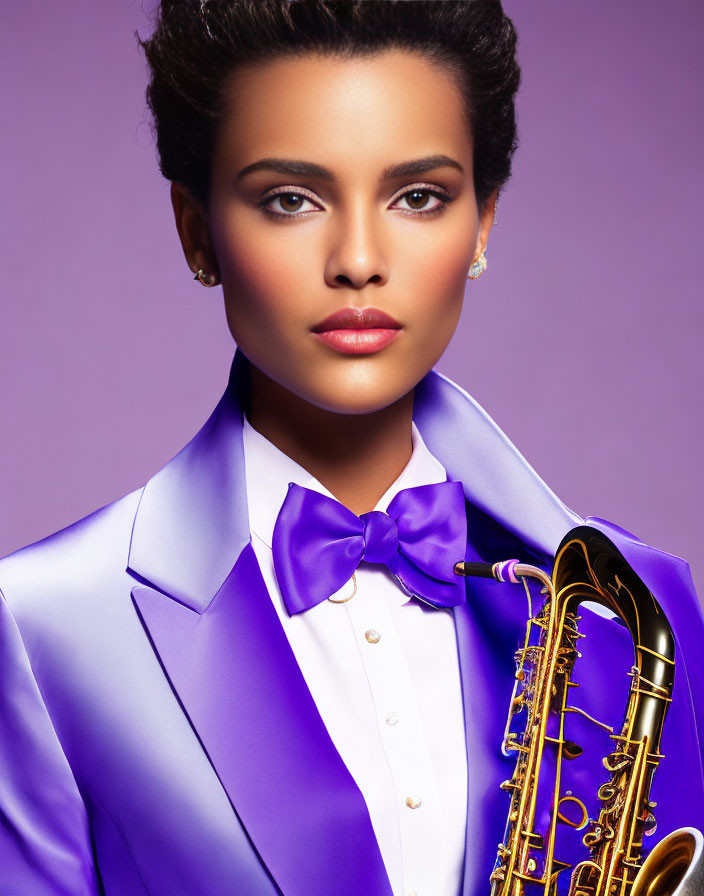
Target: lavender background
point(582, 340)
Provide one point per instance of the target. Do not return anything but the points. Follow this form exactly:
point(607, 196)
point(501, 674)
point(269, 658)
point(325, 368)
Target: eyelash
point(418, 188)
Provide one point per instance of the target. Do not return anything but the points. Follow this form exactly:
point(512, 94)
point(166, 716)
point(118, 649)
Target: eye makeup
point(423, 189)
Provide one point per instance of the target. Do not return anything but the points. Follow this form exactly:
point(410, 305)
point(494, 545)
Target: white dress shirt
point(384, 673)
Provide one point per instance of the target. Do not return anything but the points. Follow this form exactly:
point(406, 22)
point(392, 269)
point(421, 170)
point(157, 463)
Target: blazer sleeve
point(45, 844)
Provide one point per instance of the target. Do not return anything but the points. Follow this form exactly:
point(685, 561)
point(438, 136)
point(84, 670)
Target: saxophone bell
point(674, 867)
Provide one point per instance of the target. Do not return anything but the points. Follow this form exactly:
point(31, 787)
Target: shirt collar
point(268, 472)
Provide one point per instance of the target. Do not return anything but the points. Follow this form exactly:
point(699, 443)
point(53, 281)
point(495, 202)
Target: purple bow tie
point(318, 543)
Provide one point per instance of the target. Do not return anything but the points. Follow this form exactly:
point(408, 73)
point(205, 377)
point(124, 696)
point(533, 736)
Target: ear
point(486, 220)
point(193, 230)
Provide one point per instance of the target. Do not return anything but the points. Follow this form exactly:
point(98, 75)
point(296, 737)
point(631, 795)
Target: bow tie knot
point(318, 543)
point(380, 536)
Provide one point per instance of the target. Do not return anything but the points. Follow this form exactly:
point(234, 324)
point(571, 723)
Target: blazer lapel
point(240, 685)
point(204, 603)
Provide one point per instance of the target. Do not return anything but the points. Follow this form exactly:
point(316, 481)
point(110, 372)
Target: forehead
point(346, 109)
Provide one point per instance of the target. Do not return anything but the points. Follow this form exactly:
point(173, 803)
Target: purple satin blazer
point(157, 735)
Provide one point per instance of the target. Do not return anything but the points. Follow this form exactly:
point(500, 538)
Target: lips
point(357, 319)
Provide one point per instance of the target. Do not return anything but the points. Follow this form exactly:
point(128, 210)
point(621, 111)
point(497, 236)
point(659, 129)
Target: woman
point(258, 672)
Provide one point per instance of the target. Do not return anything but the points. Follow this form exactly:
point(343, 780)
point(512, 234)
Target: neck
point(355, 456)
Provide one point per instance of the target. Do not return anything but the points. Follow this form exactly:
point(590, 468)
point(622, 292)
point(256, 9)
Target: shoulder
point(87, 551)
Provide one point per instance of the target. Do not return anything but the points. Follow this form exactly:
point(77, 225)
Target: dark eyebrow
point(310, 169)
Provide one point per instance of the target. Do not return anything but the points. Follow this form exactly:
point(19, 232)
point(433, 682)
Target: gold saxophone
point(589, 567)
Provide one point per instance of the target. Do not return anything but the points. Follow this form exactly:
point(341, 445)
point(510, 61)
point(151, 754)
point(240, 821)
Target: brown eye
point(414, 200)
point(417, 201)
point(286, 205)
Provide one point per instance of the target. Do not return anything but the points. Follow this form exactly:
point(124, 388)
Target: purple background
point(111, 357)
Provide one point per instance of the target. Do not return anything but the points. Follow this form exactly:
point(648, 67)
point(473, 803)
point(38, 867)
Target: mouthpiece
point(504, 571)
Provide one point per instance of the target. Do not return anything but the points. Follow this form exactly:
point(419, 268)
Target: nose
point(356, 255)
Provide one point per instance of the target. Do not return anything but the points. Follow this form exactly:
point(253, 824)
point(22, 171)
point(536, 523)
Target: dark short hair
point(196, 46)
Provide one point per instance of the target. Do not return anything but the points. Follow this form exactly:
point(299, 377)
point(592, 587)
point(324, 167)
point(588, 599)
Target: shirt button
point(392, 718)
point(372, 635)
point(413, 802)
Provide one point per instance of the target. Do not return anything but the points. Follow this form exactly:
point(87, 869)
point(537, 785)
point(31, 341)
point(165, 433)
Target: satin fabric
point(157, 736)
point(318, 543)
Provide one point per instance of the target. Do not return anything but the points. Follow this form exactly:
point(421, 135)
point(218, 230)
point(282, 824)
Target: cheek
point(249, 268)
point(437, 281)
point(261, 279)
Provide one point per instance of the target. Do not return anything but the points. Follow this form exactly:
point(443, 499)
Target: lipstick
point(357, 331)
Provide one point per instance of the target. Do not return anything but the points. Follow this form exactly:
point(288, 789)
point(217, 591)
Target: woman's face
point(338, 229)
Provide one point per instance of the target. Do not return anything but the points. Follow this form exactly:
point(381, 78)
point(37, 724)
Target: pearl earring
point(206, 279)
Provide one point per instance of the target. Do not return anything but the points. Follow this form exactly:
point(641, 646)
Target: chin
point(357, 399)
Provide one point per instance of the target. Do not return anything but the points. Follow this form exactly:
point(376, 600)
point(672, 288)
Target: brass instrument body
point(587, 567)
